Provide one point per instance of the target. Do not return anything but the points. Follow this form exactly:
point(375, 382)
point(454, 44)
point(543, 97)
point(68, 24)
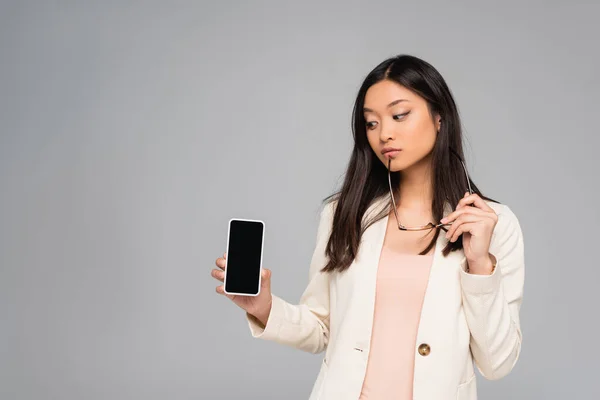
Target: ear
point(438, 123)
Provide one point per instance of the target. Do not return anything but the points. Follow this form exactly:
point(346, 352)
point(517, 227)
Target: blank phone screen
point(244, 256)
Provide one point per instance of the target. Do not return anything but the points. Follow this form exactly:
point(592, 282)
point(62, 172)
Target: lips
point(390, 150)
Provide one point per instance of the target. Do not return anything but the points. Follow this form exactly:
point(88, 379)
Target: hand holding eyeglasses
point(430, 225)
point(476, 224)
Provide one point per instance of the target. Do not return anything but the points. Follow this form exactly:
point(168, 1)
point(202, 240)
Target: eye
point(370, 124)
point(401, 115)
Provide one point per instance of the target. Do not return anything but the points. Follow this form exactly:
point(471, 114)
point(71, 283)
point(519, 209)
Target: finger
point(462, 219)
point(463, 202)
point(218, 274)
point(460, 205)
point(476, 201)
point(464, 227)
point(265, 278)
point(221, 290)
point(220, 263)
point(468, 210)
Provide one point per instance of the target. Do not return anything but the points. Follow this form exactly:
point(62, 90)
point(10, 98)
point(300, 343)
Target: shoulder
point(503, 211)
point(326, 212)
point(508, 224)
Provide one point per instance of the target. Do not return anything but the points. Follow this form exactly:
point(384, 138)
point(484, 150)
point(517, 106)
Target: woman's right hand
point(258, 306)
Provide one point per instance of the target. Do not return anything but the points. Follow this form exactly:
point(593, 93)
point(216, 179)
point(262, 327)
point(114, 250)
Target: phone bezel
point(262, 245)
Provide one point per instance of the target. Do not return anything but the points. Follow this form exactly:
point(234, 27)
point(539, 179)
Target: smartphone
point(243, 264)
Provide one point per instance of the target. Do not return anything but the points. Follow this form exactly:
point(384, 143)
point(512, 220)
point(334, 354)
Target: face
point(398, 118)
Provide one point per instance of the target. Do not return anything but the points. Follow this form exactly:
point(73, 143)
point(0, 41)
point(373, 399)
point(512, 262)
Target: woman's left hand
point(476, 224)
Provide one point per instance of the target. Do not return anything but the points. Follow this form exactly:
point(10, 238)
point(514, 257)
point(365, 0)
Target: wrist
point(483, 266)
point(263, 314)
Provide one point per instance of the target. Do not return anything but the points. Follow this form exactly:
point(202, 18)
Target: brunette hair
point(366, 178)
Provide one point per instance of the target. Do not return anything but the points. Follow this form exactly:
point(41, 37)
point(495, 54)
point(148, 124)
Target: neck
point(416, 187)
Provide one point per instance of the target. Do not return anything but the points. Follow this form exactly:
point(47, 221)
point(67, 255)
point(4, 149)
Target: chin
point(396, 165)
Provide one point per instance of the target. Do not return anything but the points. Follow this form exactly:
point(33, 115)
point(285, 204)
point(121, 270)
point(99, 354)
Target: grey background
point(132, 132)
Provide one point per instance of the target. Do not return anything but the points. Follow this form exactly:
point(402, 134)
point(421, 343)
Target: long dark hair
point(366, 178)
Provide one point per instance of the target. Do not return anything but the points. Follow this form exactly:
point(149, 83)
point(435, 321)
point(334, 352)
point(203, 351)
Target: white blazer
point(465, 318)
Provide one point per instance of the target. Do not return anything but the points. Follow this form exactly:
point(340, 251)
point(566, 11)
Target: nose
point(386, 132)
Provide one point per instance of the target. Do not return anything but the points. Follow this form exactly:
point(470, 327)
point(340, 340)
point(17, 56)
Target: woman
point(416, 276)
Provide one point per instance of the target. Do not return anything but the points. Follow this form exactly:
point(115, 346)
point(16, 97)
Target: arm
point(492, 302)
point(304, 326)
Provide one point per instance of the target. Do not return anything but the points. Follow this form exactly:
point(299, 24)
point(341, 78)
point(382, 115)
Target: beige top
point(401, 283)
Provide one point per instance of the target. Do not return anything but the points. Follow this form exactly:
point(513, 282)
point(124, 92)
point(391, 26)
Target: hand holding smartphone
point(246, 283)
point(245, 240)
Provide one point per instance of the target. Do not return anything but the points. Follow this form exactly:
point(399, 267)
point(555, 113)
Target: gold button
point(424, 349)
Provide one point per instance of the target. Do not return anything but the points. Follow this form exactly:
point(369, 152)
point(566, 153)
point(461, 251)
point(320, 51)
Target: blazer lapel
point(365, 274)
point(367, 264)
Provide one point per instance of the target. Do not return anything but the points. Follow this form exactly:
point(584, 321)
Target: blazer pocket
point(467, 390)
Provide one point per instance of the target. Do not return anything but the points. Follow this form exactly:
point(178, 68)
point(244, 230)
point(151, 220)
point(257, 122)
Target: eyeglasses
point(430, 225)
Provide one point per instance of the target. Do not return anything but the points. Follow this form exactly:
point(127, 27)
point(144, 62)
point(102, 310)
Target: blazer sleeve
point(492, 302)
point(305, 325)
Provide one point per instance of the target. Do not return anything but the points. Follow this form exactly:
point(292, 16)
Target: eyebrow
point(393, 103)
